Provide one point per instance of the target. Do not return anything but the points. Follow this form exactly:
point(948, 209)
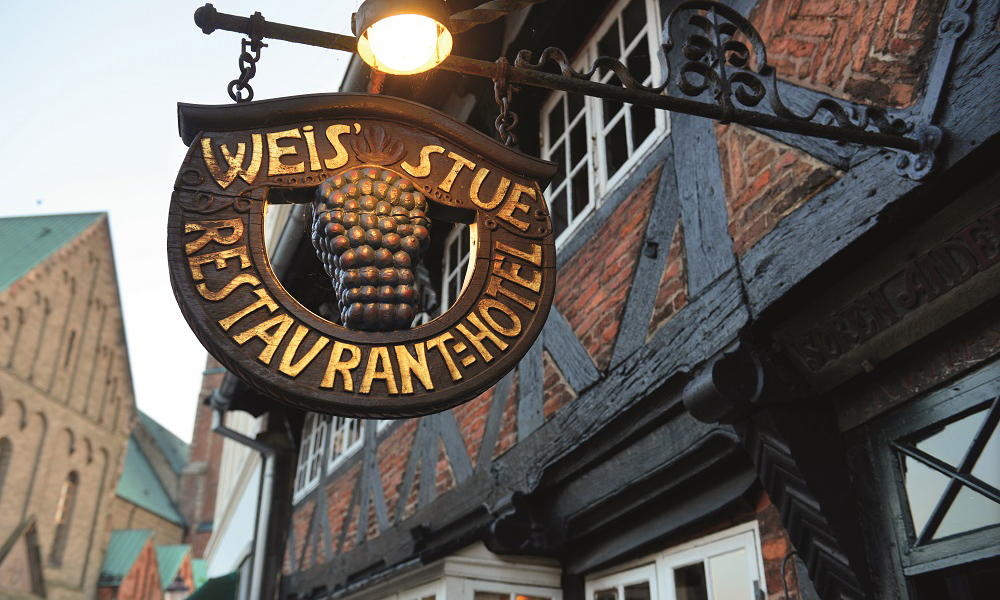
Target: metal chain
point(249, 56)
point(504, 95)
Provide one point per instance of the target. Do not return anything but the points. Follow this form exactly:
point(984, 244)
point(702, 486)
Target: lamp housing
point(402, 37)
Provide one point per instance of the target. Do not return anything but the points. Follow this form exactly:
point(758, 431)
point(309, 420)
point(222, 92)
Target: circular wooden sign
point(369, 158)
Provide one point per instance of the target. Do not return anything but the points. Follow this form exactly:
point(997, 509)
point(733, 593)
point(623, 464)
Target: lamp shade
point(402, 37)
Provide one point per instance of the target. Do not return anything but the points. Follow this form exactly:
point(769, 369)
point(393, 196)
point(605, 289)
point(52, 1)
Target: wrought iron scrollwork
point(603, 63)
point(724, 53)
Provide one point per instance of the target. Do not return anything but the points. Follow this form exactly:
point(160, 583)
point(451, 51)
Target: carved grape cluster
point(370, 229)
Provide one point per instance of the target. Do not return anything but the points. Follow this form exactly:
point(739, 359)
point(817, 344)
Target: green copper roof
point(27, 241)
point(140, 486)
point(123, 550)
point(169, 560)
point(175, 449)
point(199, 568)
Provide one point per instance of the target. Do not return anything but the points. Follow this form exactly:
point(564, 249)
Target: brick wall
point(672, 294)
point(125, 515)
point(594, 283)
point(67, 403)
point(868, 51)
point(143, 580)
point(872, 51)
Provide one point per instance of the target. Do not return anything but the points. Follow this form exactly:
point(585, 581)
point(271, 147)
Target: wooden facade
point(754, 334)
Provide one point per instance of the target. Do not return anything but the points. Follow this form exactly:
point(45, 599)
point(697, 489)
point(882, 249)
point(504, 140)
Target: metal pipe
point(264, 494)
point(209, 20)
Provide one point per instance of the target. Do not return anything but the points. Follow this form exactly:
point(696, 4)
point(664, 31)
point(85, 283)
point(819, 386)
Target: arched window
point(64, 517)
point(5, 451)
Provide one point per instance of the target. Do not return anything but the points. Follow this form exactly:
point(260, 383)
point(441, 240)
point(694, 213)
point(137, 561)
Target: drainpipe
point(268, 454)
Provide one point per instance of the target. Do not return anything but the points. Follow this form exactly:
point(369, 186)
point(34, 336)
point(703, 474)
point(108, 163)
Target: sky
point(89, 123)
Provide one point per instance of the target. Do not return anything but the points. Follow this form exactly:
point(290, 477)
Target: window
point(456, 261)
point(938, 461)
point(345, 439)
point(310, 454)
point(597, 141)
point(64, 517)
point(727, 565)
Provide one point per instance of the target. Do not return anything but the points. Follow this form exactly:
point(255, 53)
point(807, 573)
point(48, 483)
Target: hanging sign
point(381, 175)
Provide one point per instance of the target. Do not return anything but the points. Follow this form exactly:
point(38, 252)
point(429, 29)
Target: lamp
point(402, 37)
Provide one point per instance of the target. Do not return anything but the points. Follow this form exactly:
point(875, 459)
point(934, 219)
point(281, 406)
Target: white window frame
point(308, 470)
point(600, 183)
point(457, 272)
point(343, 447)
point(660, 567)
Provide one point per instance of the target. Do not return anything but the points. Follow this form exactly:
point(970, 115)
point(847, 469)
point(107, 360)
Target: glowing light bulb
point(404, 44)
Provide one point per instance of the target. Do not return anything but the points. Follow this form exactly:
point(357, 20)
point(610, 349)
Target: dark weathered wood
point(531, 396)
point(568, 353)
point(373, 477)
point(649, 268)
point(708, 247)
point(454, 445)
point(495, 419)
point(848, 209)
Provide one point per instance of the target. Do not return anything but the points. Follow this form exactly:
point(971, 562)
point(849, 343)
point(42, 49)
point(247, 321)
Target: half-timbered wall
point(588, 452)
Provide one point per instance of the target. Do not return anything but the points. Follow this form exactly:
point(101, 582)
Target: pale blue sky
point(88, 122)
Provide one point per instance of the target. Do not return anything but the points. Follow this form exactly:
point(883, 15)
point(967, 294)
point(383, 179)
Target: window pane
point(637, 591)
point(556, 123)
point(690, 584)
point(988, 466)
point(558, 206)
point(521, 597)
point(490, 596)
point(924, 486)
point(643, 124)
point(609, 44)
point(577, 144)
point(608, 594)
point(575, 104)
point(581, 195)
point(638, 62)
point(633, 18)
point(970, 510)
point(951, 442)
point(616, 148)
point(730, 578)
point(611, 110)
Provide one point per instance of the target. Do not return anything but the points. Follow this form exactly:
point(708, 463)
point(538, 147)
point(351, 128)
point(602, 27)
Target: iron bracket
point(721, 58)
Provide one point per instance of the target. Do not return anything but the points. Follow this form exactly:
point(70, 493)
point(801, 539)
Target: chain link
point(239, 88)
point(504, 95)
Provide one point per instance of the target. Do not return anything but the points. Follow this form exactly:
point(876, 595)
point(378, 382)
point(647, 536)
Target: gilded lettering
point(275, 152)
point(314, 164)
point(413, 365)
point(213, 233)
point(333, 133)
point(263, 300)
point(485, 304)
point(235, 282)
point(477, 184)
point(271, 340)
point(460, 163)
point(219, 258)
point(439, 343)
point(476, 339)
point(293, 369)
point(512, 274)
point(378, 354)
point(511, 205)
point(534, 258)
point(424, 168)
point(235, 163)
point(340, 366)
